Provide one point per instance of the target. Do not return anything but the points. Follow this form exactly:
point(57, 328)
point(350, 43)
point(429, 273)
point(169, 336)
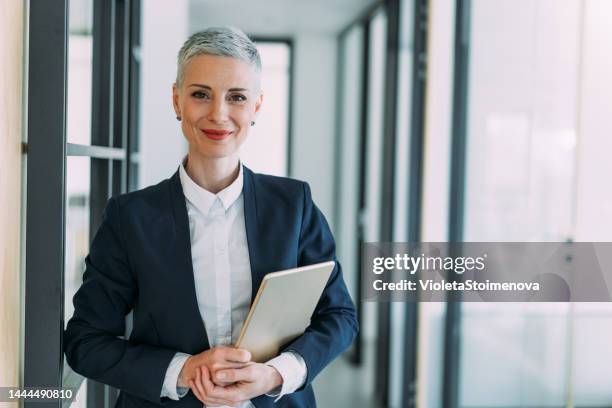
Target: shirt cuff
point(170, 388)
point(292, 369)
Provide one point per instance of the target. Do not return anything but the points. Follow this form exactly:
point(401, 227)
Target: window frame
point(114, 164)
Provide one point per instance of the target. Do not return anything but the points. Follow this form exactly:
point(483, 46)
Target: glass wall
point(521, 168)
point(522, 120)
point(80, 61)
point(365, 135)
point(348, 202)
point(266, 148)
point(78, 175)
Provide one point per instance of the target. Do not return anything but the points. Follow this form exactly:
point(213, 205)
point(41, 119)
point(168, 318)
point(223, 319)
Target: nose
point(218, 111)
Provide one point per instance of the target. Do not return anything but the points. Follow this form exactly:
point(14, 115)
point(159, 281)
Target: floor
point(342, 385)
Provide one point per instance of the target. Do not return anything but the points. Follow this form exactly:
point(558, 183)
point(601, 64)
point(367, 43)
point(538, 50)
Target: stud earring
point(178, 118)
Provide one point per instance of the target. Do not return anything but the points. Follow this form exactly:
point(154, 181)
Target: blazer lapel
point(197, 341)
point(253, 231)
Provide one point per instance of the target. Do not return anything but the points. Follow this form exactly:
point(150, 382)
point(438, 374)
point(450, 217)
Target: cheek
point(243, 117)
point(194, 111)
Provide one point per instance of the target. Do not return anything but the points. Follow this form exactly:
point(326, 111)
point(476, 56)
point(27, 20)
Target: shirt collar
point(203, 199)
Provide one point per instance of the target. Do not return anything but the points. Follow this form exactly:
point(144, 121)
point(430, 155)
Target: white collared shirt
point(222, 276)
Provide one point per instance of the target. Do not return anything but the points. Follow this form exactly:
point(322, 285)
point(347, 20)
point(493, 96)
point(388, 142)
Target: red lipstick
point(215, 134)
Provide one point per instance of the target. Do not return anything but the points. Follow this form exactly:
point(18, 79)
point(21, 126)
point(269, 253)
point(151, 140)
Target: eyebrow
point(230, 90)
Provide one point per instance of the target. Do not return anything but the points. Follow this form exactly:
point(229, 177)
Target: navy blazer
point(140, 259)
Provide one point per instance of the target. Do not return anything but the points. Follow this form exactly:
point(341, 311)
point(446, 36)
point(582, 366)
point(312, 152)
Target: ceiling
point(277, 17)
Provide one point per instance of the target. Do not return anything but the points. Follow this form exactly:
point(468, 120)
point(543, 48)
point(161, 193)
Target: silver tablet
point(282, 309)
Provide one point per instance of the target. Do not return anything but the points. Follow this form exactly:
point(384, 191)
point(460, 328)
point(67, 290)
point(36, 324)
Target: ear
point(258, 103)
point(175, 100)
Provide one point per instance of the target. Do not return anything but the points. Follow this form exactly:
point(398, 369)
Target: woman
point(188, 255)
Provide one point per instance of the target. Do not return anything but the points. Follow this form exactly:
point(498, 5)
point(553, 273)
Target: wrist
point(276, 380)
point(183, 377)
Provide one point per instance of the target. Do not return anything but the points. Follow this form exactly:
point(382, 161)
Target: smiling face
point(217, 100)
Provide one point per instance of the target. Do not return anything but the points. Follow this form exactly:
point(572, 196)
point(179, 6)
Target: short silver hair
point(221, 41)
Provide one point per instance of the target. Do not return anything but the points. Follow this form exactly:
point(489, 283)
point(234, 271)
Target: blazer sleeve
point(107, 294)
point(333, 325)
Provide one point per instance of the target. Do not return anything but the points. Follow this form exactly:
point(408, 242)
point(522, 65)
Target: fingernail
point(221, 376)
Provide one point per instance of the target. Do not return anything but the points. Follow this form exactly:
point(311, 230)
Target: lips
point(215, 134)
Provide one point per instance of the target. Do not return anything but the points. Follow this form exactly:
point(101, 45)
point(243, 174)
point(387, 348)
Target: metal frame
point(452, 324)
point(133, 145)
point(415, 187)
point(103, 72)
point(415, 182)
point(289, 42)
point(114, 131)
point(112, 123)
point(97, 152)
point(357, 356)
point(44, 294)
point(338, 158)
point(388, 190)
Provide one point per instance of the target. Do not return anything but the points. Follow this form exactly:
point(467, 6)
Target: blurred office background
point(412, 120)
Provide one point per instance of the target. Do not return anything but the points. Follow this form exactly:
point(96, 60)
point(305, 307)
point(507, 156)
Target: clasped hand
point(227, 376)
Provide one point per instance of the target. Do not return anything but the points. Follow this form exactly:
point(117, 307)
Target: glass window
point(265, 150)
point(521, 120)
point(77, 227)
point(80, 58)
point(80, 400)
point(350, 138)
point(521, 155)
point(375, 105)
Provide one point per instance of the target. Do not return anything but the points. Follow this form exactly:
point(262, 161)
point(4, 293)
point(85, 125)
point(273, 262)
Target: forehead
point(219, 72)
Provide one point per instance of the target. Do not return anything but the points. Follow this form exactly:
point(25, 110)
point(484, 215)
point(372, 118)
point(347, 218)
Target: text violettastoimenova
point(467, 285)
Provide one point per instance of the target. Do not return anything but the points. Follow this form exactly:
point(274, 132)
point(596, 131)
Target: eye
point(200, 95)
point(237, 98)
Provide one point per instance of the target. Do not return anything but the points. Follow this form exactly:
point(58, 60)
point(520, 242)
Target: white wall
point(164, 29)
point(314, 115)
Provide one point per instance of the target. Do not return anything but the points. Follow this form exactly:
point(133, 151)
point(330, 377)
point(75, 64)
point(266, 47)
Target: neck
point(212, 174)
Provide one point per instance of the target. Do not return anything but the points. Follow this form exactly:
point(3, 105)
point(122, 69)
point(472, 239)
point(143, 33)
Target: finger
point(220, 383)
point(197, 390)
point(215, 366)
point(237, 355)
point(199, 386)
point(247, 374)
point(230, 394)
